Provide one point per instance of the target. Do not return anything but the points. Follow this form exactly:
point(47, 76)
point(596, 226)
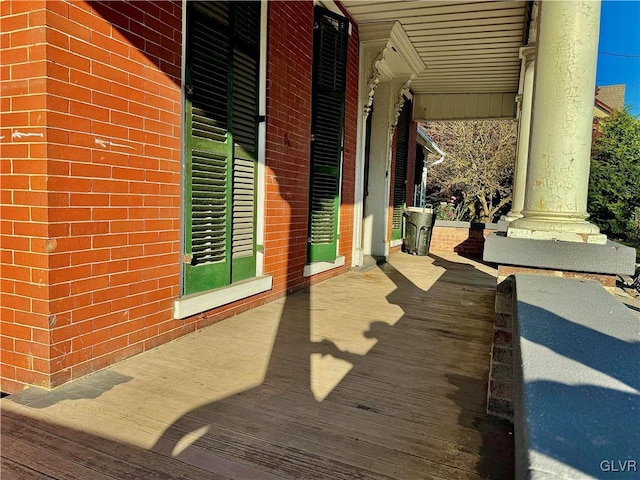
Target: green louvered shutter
point(400, 170)
point(246, 61)
point(331, 36)
point(221, 143)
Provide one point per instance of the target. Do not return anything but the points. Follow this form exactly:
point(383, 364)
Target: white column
point(520, 172)
point(558, 169)
point(377, 205)
point(364, 93)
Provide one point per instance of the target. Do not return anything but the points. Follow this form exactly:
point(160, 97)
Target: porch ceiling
point(469, 47)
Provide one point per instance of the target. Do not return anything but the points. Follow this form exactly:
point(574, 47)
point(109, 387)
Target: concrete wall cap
point(612, 258)
point(460, 224)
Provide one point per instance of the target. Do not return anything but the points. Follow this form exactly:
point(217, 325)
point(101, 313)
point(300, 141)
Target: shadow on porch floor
point(374, 375)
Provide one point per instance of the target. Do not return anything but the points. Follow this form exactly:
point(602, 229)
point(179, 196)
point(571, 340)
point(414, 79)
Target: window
point(400, 169)
point(222, 85)
point(330, 41)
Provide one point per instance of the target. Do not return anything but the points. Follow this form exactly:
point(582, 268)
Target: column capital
point(528, 52)
point(519, 99)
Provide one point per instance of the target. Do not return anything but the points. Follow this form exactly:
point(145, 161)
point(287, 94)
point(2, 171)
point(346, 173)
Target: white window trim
point(201, 302)
point(314, 268)
point(262, 142)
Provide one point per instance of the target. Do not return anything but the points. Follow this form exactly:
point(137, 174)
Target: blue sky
point(619, 49)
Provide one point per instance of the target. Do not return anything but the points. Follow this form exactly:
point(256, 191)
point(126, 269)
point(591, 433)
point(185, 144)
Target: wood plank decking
point(370, 375)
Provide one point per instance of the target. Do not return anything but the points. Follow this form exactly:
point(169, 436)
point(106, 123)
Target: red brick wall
point(468, 242)
point(23, 233)
point(607, 281)
point(91, 210)
point(101, 188)
point(288, 149)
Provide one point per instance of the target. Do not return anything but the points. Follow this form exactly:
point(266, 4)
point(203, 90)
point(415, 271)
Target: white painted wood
point(463, 106)
point(262, 135)
point(450, 34)
point(319, 267)
point(446, 11)
point(463, 24)
point(201, 302)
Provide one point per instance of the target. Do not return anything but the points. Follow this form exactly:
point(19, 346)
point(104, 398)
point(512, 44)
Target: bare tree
point(479, 163)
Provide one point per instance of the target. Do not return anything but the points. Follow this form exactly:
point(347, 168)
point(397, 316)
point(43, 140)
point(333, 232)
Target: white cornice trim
point(387, 41)
point(391, 36)
point(527, 51)
point(375, 32)
point(405, 48)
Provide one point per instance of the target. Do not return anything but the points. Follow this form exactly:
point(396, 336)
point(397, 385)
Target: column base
point(511, 216)
point(610, 259)
point(548, 229)
point(594, 238)
point(358, 257)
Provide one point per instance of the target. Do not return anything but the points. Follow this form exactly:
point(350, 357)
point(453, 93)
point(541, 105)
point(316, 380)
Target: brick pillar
point(499, 395)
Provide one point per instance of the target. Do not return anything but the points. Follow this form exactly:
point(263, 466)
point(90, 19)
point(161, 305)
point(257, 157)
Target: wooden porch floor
point(370, 375)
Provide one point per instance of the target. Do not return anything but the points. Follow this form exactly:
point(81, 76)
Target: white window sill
point(319, 267)
point(395, 243)
point(201, 302)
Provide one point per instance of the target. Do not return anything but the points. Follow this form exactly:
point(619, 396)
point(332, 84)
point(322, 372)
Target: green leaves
point(614, 184)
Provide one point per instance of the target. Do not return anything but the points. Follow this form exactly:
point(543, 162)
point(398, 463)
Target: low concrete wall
point(464, 238)
point(576, 381)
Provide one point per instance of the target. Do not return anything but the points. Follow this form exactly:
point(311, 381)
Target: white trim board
point(201, 302)
point(319, 267)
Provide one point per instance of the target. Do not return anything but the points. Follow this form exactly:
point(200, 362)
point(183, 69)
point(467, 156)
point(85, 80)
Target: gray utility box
point(419, 223)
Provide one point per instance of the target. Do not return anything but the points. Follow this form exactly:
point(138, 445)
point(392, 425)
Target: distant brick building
point(612, 96)
point(608, 99)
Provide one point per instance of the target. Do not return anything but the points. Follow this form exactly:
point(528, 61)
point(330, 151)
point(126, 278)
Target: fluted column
point(560, 143)
point(520, 172)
